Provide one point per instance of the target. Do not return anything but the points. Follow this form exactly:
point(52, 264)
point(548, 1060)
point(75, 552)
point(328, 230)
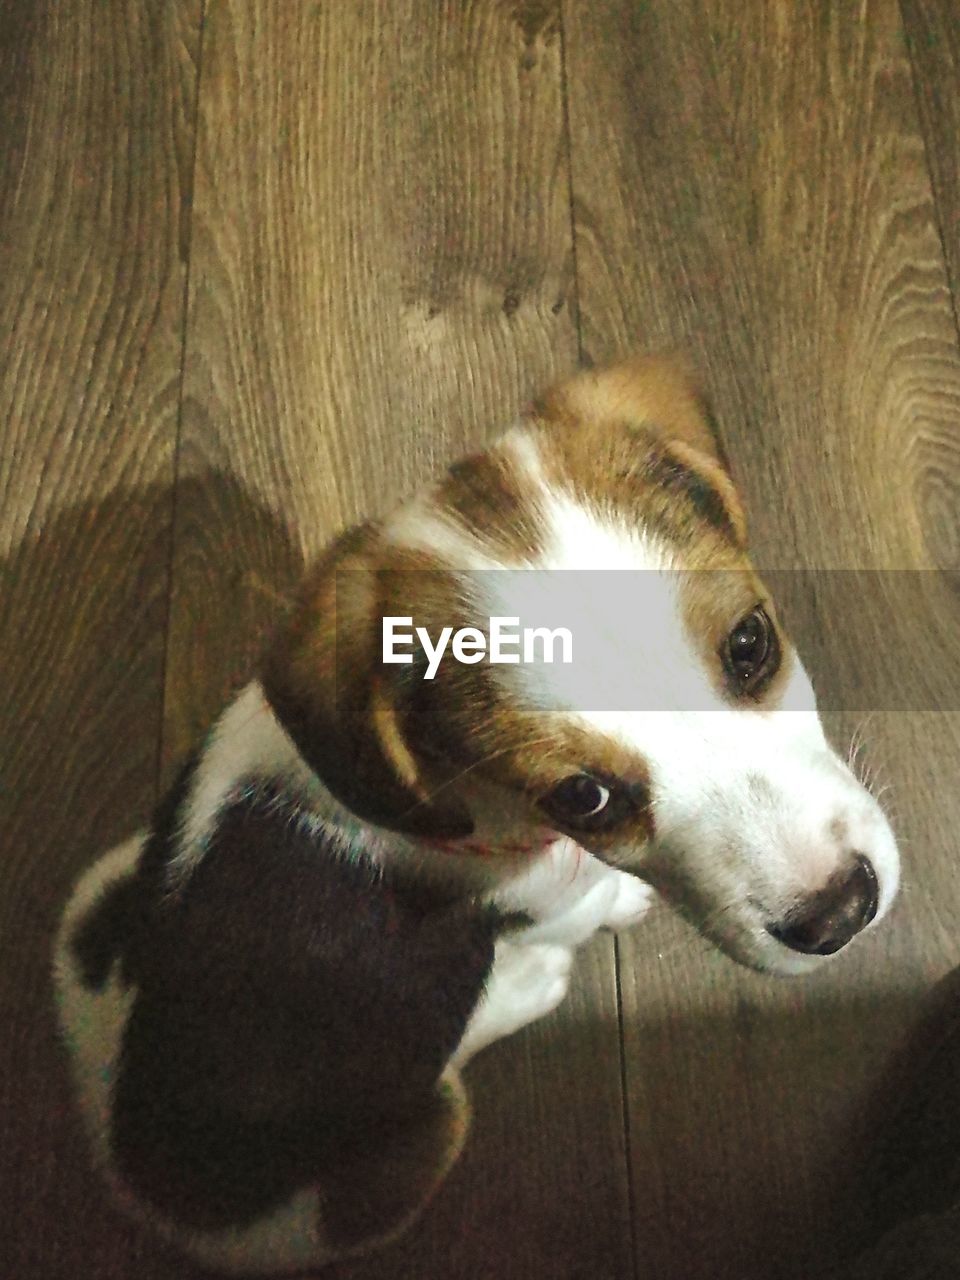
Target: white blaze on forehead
point(579, 537)
point(614, 586)
point(616, 589)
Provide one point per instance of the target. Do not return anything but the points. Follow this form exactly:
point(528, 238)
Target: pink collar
point(507, 848)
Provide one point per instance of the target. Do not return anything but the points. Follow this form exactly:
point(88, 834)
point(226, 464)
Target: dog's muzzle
point(827, 921)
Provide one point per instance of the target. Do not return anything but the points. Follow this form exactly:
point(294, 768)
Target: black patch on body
point(294, 1012)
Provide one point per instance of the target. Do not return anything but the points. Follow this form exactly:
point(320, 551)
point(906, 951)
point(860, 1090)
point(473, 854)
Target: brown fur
point(485, 493)
point(648, 388)
point(713, 602)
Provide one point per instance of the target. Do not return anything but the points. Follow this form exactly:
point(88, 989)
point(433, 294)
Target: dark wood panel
point(750, 182)
point(381, 276)
point(94, 169)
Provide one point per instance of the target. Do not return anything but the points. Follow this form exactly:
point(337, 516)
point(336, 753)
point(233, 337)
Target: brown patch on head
point(649, 388)
point(487, 495)
point(636, 438)
point(617, 767)
point(397, 749)
point(427, 757)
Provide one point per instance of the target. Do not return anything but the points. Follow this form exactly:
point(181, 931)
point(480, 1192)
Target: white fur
point(93, 1021)
point(419, 526)
point(753, 809)
point(527, 982)
point(520, 449)
point(246, 741)
point(570, 895)
point(249, 742)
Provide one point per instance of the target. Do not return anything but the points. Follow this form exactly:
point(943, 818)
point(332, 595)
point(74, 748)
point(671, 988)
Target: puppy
point(365, 875)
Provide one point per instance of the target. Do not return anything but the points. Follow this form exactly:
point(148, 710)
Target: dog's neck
point(249, 743)
point(490, 854)
point(477, 863)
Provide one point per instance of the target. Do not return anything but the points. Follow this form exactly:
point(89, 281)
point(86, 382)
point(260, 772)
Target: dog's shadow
point(118, 644)
point(126, 621)
point(717, 1203)
point(915, 1118)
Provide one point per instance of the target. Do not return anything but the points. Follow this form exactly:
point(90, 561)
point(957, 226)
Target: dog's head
point(712, 779)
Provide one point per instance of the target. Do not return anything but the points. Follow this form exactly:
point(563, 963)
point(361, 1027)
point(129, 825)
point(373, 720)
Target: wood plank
point(381, 279)
point(381, 275)
point(750, 182)
point(933, 42)
point(98, 111)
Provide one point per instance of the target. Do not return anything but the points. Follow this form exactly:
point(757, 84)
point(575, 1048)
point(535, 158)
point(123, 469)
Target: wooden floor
point(265, 266)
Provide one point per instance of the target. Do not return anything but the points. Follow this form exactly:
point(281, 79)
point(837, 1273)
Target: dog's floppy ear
point(347, 712)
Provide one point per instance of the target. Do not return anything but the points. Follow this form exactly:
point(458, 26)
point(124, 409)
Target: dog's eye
point(751, 654)
point(580, 796)
point(584, 803)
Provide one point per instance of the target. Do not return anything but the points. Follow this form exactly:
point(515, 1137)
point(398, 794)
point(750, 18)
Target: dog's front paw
point(529, 982)
point(633, 900)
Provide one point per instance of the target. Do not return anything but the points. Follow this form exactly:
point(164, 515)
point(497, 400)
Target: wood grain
point(933, 41)
point(380, 277)
point(372, 269)
point(750, 181)
point(94, 185)
point(932, 32)
point(381, 273)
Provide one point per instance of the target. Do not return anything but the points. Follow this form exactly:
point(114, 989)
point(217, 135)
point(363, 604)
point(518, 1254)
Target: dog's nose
point(827, 921)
